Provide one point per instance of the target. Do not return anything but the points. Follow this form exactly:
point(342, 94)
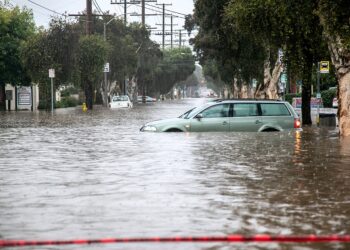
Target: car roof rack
point(246, 99)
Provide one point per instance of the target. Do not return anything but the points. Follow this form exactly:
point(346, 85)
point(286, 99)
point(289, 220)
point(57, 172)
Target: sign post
point(52, 76)
point(106, 71)
point(322, 68)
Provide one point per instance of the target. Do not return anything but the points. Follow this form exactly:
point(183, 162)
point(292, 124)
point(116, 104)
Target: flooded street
point(94, 175)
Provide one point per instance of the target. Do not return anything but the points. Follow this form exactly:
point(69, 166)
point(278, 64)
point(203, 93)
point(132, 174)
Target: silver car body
point(232, 115)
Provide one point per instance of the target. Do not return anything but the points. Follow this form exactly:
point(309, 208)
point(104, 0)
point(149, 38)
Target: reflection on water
point(76, 175)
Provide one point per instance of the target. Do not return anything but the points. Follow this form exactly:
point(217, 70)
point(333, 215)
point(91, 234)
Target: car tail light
point(297, 123)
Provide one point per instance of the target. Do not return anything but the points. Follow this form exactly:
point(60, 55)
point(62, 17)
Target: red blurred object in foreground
point(228, 238)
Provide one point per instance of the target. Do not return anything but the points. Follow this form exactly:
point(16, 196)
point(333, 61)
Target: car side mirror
point(199, 117)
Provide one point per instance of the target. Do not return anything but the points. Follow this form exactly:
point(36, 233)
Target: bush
point(327, 97)
point(69, 91)
point(67, 102)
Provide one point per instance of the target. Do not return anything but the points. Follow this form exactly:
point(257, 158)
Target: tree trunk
point(89, 94)
point(2, 97)
point(340, 55)
point(344, 104)
point(235, 89)
point(341, 60)
point(269, 89)
point(105, 89)
point(272, 88)
point(306, 95)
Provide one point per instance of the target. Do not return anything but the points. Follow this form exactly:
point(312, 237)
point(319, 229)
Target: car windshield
point(122, 98)
point(188, 114)
point(184, 115)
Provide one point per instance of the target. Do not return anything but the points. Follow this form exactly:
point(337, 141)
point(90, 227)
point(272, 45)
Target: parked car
point(148, 99)
point(232, 115)
point(120, 101)
point(335, 102)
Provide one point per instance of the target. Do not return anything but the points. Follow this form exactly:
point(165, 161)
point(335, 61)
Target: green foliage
point(16, 26)
point(69, 91)
point(124, 41)
point(335, 19)
point(177, 64)
point(92, 56)
point(93, 52)
point(67, 102)
point(190, 23)
point(327, 97)
point(37, 48)
point(236, 55)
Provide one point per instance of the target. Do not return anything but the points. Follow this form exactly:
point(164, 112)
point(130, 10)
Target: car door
point(214, 118)
point(245, 118)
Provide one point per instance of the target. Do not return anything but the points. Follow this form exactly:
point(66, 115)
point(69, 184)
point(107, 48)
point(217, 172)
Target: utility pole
point(89, 30)
point(125, 15)
point(143, 13)
point(88, 17)
point(163, 37)
point(125, 5)
point(171, 31)
point(180, 39)
point(163, 24)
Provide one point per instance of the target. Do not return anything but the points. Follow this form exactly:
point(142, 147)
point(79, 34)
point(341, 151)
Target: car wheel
point(173, 130)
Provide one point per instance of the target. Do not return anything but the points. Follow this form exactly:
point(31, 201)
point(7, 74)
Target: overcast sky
point(42, 16)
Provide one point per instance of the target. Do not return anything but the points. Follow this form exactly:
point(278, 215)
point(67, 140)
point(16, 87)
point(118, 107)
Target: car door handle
point(225, 123)
point(258, 122)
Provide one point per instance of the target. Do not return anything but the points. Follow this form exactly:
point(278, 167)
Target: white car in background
point(147, 99)
point(120, 101)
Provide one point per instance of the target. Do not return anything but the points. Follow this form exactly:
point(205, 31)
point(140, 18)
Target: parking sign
point(324, 67)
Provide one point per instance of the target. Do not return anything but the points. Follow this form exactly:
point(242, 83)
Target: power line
point(97, 6)
point(167, 10)
point(157, 11)
point(41, 6)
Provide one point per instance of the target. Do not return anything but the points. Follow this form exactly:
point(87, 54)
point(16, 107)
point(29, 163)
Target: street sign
point(324, 67)
point(24, 96)
point(318, 95)
point(106, 68)
point(51, 73)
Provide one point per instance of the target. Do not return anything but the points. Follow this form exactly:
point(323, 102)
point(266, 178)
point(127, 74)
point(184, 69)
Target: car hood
point(165, 122)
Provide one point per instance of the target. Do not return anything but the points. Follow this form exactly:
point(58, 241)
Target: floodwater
point(74, 175)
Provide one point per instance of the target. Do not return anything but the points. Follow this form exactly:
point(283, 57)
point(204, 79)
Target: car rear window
point(274, 109)
point(120, 98)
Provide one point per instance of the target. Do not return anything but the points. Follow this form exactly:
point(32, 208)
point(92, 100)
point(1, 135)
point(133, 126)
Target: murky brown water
point(94, 175)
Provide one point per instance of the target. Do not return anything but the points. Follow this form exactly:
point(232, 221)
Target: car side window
point(274, 109)
point(217, 111)
point(245, 109)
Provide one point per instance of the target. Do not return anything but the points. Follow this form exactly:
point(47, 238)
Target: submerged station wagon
point(232, 115)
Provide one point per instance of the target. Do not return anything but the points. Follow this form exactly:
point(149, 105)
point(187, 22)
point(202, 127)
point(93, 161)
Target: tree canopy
point(16, 26)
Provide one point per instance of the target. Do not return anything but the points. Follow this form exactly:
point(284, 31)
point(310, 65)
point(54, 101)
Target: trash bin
point(328, 119)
